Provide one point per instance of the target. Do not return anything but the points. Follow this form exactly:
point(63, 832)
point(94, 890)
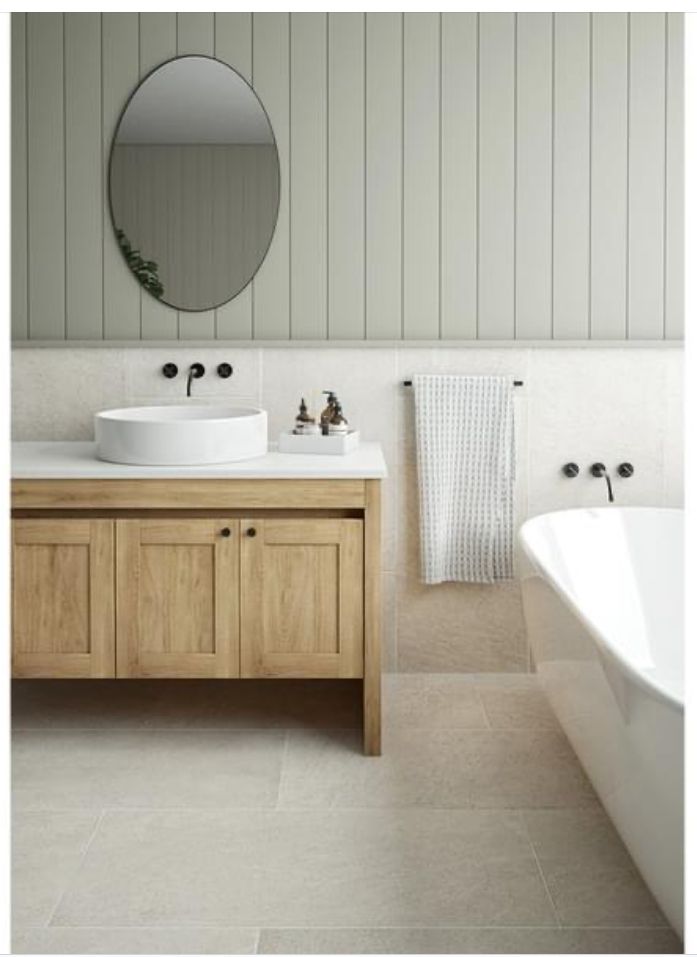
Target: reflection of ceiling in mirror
point(194, 100)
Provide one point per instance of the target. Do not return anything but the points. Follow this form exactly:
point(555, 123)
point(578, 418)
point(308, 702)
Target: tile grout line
point(282, 769)
point(80, 862)
point(540, 870)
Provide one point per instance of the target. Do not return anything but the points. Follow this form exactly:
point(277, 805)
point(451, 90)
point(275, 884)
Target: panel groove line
point(444, 176)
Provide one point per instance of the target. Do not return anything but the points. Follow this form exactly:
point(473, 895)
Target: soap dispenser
point(304, 423)
point(328, 411)
point(338, 424)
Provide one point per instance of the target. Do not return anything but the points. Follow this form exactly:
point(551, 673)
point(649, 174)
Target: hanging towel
point(465, 457)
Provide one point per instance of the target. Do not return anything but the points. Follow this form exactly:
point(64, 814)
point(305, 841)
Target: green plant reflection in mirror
point(145, 270)
point(194, 183)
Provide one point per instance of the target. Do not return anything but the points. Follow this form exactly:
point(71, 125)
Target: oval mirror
point(194, 183)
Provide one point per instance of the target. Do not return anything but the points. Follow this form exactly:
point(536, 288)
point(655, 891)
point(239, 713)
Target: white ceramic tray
point(319, 444)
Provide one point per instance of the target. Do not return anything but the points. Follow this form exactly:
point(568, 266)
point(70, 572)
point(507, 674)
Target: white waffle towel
point(466, 465)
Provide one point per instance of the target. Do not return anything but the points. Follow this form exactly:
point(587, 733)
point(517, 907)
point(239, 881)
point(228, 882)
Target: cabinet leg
point(372, 721)
point(372, 661)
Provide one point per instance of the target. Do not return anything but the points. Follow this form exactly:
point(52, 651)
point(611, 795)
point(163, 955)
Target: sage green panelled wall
point(444, 176)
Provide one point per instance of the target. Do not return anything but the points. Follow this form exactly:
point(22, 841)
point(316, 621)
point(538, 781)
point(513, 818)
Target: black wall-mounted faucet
point(598, 470)
point(196, 371)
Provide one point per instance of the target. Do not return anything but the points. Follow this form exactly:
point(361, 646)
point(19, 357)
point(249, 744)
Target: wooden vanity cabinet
point(181, 589)
point(177, 598)
point(302, 598)
point(63, 598)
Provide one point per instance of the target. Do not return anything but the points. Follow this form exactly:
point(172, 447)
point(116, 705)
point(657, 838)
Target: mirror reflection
point(194, 183)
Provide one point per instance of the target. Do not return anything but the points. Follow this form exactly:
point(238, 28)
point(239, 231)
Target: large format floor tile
point(47, 848)
point(432, 701)
point(139, 767)
point(435, 768)
point(135, 940)
point(589, 873)
point(420, 940)
point(204, 817)
point(514, 701)
point(308, 868)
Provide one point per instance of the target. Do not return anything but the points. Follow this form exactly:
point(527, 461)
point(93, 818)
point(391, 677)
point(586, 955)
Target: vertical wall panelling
point(422, 175)
point(458, 188)
point(195, 34)
point(496, 175)
point(533, 272)
point(383, 176)
point(346, 172)
point(308, 173)
point(271, 74)
point(233, 45)
point(675, 174)
point(457, 176)
point(119, 77)
point(83, 176)
point(646, 176)
point(46, 173)
point(609, 156)
point(158, 42)
point(571, 175)
point(19, 176)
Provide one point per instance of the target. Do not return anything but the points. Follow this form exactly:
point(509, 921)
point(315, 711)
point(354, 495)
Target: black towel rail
point(516, 382)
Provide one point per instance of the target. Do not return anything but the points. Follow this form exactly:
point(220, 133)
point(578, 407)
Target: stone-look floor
point(194, 817)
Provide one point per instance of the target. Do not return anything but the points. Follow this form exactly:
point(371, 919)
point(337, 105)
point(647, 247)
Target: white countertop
point(77, 460)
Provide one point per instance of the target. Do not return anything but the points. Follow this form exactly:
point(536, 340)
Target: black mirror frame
point(198, 56)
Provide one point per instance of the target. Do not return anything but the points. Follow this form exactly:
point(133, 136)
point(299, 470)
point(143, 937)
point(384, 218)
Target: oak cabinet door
point(177, 606)
point(302, 598)
point(63, 598)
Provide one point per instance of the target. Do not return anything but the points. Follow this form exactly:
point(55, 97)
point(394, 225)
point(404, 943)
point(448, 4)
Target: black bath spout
point(598, 470)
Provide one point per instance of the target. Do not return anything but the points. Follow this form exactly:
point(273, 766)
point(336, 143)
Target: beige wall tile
point(571, 407)
point(460, 627)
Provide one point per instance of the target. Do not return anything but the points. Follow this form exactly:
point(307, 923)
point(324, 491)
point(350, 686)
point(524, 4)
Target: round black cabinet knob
point(169, 370)
point(570, 470)
point(626, 470)
point(225, 532)
point(251, 532)
point(224, 370)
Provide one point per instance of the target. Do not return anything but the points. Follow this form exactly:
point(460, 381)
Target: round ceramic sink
point(180, 434)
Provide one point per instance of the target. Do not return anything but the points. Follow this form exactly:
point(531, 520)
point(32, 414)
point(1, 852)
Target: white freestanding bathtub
point(604, 611)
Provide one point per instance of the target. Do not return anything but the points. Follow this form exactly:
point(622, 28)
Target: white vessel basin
point(180, 434)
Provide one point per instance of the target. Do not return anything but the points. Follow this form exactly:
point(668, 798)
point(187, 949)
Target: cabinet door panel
point(63, 599)
point(302, 598)
point(177, 598)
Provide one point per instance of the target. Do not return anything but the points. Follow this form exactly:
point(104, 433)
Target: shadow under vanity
point(266, 568)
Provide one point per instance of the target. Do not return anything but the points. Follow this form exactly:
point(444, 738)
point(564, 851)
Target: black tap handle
point(626, 470)
point(570, 470)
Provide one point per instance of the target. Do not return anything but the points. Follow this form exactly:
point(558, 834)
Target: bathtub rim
point(605, 647)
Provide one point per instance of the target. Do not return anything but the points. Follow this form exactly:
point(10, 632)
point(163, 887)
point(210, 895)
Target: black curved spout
point(599, 471)
point(195, 372)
